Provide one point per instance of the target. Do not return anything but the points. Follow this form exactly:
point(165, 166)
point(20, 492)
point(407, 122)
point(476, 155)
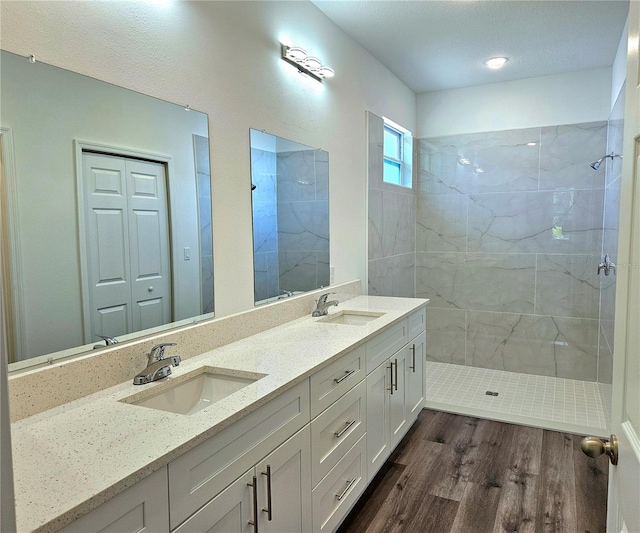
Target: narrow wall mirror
point(290, 199)
point(106, 213)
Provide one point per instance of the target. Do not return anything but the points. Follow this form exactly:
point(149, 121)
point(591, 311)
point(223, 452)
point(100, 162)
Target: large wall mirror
point(106, 212)
point(290, 199)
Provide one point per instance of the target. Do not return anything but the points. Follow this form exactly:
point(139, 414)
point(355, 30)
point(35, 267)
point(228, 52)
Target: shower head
point(596, 164)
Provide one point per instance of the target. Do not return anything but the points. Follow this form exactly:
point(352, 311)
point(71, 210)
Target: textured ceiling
point(434, 45)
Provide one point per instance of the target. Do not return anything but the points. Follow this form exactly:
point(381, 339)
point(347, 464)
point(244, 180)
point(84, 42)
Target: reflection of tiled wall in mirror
point(303, 219)
point(201, 146)
point(265, 224)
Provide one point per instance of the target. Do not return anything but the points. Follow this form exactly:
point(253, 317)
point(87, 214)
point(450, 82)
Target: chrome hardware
point(595, 447)
point(413, 358)
point(322, 305)
point(396, 365)
point(345, 429)
point(150, 289)
point(108, 341)
point(345, 376)
point(157, 366)
point(348, 487)
point(607, 265)
point(254, 522)
point(269, 509)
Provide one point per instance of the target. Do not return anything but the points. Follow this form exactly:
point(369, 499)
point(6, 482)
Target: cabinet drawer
point(142, 507)
point(203, 472)
point(328, 384)
point(385, 344)
point(336, 430)
point(336, 494)
point(416, 323)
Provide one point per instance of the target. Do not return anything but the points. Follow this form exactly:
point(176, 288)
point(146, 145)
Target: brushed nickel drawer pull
point(391, 386)
point(395, 385)
point(413, 358)
point(346, 428)
point(269, 509)
point(254, 522)
point(344, 492)
point(346, 375)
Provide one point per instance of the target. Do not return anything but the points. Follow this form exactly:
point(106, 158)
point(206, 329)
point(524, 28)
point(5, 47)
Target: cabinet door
point(231, 511)
point(378, 446)
point(284, 486)
point(415, 376)
point(398, 409)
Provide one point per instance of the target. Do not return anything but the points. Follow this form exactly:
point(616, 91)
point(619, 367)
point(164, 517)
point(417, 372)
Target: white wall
point(569, 98)
point(223, 58)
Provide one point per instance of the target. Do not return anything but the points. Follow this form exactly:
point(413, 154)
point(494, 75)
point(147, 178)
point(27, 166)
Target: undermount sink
point(194, 391)
point(352, 318)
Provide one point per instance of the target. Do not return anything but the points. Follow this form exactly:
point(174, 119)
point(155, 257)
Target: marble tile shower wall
point(303, 219)
point(509, 230)
point(610, 239)
point(392, 216)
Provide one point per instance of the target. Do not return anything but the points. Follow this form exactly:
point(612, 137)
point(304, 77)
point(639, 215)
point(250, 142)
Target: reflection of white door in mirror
point(127, 245)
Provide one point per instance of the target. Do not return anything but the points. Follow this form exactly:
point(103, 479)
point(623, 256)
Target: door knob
point(595, 447)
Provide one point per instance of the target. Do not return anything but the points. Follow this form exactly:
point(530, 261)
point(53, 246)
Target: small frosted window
point(397, 152)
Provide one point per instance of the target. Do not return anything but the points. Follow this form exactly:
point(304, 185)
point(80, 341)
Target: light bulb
point(325, 72)
point(312, 63)
point(296, 54)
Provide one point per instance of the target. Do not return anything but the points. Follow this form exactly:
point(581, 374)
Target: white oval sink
point(352, 318)
point(192, 392)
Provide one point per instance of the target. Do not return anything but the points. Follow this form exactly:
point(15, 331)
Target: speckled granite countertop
point(71, 459)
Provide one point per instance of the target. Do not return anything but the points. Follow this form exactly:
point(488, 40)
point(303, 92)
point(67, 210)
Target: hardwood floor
point(460, 474)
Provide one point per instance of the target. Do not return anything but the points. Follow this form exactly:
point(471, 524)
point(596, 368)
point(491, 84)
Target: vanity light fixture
point(464, 161)
point(496, 62)
point(532, 144)
point(306, 64)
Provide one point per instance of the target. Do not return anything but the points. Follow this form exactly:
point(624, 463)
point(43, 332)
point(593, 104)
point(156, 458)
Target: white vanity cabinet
point(144, 507)
point(395, 388)
point(276, 493)
point(296, 464)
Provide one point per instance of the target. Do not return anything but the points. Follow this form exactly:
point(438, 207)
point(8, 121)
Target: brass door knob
point(595, 447)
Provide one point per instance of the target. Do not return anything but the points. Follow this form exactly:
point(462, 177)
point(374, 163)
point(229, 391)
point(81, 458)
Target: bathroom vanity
point(317, 406)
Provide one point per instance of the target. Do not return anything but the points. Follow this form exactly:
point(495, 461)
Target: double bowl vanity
point(281, 431)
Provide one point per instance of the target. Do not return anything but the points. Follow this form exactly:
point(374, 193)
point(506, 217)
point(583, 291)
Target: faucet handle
point(323, 297)
point(157, 352)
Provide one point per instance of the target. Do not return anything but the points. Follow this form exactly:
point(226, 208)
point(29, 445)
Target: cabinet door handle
point(391, 387)
point(344, 492)
point(396, 365)
point(346, 375)
point(346, 428)
point(269, 509)
point(413, 358)
point(254, 522)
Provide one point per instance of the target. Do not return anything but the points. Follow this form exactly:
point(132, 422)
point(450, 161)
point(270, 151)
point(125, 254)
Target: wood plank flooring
point(460, 474)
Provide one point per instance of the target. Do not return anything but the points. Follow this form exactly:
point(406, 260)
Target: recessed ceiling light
point(496, 62)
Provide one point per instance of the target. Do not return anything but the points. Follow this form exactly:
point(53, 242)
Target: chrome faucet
point(108, 341)
point(322, 305)
point(157, 366)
